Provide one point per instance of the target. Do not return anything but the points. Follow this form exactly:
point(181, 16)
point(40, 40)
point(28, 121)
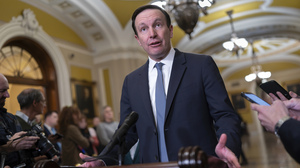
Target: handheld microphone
point(128, 122)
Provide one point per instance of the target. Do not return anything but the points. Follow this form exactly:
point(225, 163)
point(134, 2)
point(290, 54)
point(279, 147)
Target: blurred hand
point(226, 154)
point(270, 115)
point(293, 94)
point(96, 163)
point(294, 113)
point(25, 142)
point(281, 96)
point(38, 158)
point(53, 139)
point(293, 106)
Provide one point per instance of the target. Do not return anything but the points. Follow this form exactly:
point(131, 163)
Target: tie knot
point(159, 65)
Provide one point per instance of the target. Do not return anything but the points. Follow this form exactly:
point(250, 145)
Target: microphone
point(128, 122)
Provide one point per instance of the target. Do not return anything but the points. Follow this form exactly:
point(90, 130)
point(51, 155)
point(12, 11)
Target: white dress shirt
point(152, 75)
point(49, 128)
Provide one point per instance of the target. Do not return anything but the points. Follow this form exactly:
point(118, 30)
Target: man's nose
point(153, 33)
point(6, 94)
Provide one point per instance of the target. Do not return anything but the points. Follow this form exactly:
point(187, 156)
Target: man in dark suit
point(196, 111)
point(282, 118)
point(50, 121)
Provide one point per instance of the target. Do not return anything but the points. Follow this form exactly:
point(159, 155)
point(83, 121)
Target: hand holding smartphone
point(58, 136)
point(273, 87)
point(254, 99)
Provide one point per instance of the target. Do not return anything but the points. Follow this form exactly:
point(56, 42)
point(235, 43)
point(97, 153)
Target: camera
point(45, 147)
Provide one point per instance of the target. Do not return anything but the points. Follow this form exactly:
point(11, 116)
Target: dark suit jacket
point(198, 109)
point(290, 137)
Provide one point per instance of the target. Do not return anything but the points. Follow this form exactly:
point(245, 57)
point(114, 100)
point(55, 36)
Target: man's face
point(41, 105)
point(53, 118)
point(108, 114)
point(153, 33)
point(3, 90)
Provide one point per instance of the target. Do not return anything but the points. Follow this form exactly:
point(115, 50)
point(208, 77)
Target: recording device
point(254, 99)
point(45, 147)
point(272, 87)
point(117, 137)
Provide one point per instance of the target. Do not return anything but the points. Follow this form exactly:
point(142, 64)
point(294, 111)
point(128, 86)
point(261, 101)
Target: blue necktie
point(160, 101)
point(53, 130)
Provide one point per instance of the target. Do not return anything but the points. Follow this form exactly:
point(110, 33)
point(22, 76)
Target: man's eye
point(158, 25)
point(2, 91)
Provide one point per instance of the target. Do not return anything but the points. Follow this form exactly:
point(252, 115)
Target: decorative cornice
point(27, 21)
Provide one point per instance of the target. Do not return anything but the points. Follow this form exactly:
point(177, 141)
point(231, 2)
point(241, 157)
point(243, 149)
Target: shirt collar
point(48, 127)
point(22, 115)
point(168, 60)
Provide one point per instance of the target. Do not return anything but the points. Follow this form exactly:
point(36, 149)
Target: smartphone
point(254, 99)
point(58, 136)
point(273, 87)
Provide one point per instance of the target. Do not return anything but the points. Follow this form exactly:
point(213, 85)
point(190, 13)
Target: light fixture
point(256, 70)
point(235, 44)
point(185, 12)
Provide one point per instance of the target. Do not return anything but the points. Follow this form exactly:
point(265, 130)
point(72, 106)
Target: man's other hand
point(95, 163)
point(226, 154)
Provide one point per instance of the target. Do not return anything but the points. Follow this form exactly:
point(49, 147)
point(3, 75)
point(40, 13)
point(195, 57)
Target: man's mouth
point(156, 43)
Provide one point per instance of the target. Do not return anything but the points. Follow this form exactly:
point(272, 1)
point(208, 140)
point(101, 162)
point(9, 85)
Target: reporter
point(9, 126)
point(277, 118)
point(68, 123)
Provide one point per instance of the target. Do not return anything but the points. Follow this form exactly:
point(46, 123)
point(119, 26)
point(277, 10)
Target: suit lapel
point(177, 73)
point(144, 90)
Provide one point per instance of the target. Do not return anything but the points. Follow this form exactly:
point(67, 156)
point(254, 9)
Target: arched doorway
point(26, 64)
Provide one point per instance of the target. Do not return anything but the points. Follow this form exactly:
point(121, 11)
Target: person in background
point(90, 134)
point(68, 122)
point(283, 118)
point(32, 103)
point(106, 129)
point(11, 144)
point(180, 98)
point(50, 122)
point(96, 122)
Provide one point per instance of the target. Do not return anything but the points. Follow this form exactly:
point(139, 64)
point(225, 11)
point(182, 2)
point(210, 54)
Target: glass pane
point(14, 61)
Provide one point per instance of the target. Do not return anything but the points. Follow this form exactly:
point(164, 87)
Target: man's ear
point(137, 38)
point(34, 103)
point(171, 31)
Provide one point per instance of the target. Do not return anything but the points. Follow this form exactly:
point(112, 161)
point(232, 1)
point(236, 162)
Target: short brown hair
point(142, 8)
